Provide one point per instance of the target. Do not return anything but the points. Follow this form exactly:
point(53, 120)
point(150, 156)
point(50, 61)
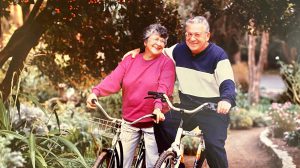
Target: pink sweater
point(136, 77)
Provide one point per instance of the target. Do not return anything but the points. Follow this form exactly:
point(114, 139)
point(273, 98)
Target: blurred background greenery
point(52, 53)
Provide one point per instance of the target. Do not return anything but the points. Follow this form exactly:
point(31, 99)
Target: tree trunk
point(289, 53)
point(19, 45)
point(252, 68)
point(256, 69)
point(264, 49)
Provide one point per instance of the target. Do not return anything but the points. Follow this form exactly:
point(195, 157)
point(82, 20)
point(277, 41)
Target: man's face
point(196, 37)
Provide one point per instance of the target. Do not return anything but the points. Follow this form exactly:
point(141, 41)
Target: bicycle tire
point(102, 160)
point(166, 160)
point(106, 160)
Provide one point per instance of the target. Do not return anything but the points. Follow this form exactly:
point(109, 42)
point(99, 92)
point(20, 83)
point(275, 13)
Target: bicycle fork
point(177, 147)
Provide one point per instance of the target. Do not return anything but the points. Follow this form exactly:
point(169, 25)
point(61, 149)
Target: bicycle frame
point(116, 149)
point(175, 152)
point(178, 148)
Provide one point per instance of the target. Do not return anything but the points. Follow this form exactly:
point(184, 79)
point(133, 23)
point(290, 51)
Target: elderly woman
point(149, 71)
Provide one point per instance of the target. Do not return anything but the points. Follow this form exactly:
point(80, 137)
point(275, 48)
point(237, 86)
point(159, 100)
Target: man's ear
point(208, 36)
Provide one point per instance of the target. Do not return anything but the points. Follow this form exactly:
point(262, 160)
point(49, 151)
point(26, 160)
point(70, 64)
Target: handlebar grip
point(153, 116)
point(152, 93)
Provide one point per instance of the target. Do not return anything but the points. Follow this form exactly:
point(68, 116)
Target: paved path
point(243, 150)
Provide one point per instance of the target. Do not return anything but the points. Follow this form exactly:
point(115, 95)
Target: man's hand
point(89, 102)
point(133, 53)
point(223, 107)
point(159, 115)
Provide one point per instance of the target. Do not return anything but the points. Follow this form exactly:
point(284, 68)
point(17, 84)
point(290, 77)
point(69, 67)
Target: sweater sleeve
point(166, 82)
point(113, 82)
point(225, 79)
point(169, 52)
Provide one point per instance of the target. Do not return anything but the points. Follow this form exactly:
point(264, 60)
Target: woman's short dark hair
point(155, 29)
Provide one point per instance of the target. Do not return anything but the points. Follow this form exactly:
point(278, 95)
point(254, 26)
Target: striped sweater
point(207, 76)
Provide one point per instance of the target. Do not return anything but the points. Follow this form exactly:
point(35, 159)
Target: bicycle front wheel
point(166, 160)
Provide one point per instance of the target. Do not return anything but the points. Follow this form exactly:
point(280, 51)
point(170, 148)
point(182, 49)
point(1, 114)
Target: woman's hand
point(159, 115)
point(89, 102)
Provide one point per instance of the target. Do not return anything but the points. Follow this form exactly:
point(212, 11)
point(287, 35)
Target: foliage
point(240, 119)
point(283, 117)
point(112, 104)
point(245, 115)
point(36, 83)
point(293, 137)
point(291, 75)
point(242, 99)
point(9, 158)
point(4, 11)
point(92, 43)
point(40, 147)
point(190, 144)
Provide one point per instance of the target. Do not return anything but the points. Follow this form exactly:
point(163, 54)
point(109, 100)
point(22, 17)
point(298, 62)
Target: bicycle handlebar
point(95, 101)
point(165, 98)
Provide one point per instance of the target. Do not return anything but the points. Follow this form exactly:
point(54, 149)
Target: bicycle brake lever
point(94, 101)
point(150, 97)
point(212, 106)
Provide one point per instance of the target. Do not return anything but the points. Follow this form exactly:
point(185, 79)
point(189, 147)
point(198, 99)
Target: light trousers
point(130, 137)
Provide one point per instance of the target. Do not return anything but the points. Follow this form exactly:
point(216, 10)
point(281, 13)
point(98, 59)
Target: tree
point(96, 42)
point(230, 21)
point(264, 16)
point(89, 35)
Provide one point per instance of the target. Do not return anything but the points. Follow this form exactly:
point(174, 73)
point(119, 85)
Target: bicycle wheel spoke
point(166, 160)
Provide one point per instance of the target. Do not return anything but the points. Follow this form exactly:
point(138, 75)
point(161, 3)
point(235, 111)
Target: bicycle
point(172, 157)
point(112, 157)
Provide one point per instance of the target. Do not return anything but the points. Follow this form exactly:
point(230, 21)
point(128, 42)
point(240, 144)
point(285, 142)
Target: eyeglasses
point(156, 40)
point(196, 35)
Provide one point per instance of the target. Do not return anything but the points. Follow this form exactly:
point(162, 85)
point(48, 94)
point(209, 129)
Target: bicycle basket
point(103, 127)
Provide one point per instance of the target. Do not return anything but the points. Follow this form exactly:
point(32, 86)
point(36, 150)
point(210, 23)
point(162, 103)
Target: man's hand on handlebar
point(133, 53)
point(159, 115)
point(223, 107)
point(89, 102)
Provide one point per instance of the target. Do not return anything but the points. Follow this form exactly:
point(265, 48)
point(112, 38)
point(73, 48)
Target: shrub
point(293, 137)
point(240, 119)
point(242, 99)
point(112, 104)
point(190, 144)
point(291, 75)
point(40, 146)
point(283, 118)
point(9, 158)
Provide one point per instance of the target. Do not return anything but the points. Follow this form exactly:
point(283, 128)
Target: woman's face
point(154, 44)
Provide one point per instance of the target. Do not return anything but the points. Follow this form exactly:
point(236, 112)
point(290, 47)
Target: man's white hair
point(198, 20)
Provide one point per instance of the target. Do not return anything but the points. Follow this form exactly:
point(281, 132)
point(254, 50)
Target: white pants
point(130, 137)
